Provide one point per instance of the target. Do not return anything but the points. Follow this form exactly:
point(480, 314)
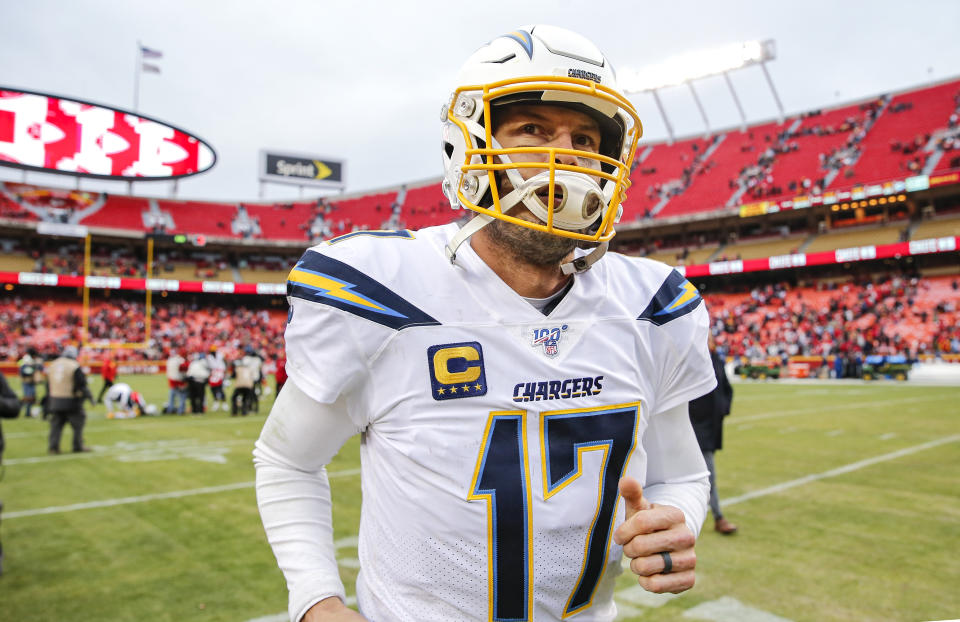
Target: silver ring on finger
point(667, 562)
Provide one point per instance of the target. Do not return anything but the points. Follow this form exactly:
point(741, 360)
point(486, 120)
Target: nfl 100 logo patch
point(549, 339)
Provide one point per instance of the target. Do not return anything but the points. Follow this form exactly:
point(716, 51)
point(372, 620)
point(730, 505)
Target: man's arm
point(298, 440)
point(666, 514)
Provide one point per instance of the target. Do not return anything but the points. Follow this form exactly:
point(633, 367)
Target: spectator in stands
point(176, 366)
point(67, 390)
point(108, 371)
point(707, 413)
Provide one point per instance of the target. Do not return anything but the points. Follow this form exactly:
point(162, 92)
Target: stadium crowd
point(895, 315)
point(903, 315)
point(174, 326)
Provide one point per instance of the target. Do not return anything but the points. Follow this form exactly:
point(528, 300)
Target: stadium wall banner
point(916, 183)
point(947, 244)
point(302, 169)
point(53, 134)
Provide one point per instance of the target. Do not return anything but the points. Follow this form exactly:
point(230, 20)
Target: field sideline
point(847, 498)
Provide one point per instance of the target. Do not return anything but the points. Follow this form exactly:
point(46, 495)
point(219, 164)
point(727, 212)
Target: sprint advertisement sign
point(302, 170)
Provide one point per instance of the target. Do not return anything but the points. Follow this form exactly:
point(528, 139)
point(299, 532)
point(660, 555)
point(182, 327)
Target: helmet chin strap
point(582, 264)
point(478, 222)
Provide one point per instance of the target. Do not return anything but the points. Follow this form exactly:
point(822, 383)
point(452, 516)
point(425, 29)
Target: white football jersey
point(494, 436)
point(119, 393)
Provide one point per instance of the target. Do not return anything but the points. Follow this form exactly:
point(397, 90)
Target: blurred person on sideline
point(244, 375)
point(67, 390)
point(253, 361)
point(30, 368)
point(9, 409)
point(218, 372)
point(108, 371)
point(198, 372)
point(122, 402)
point(176, 366)
point(707, 413)
point(280, 373)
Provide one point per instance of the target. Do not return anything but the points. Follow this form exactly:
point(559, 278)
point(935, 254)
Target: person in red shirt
point(108, 371)
point(281, 372)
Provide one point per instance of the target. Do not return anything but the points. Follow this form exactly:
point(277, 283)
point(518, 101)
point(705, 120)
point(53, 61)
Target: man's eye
point(530, 128)
point(585, 141)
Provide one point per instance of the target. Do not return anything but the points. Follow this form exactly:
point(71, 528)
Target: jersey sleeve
point(690, 372)
point(681, 325)
point(343, 309)
point(323, 356)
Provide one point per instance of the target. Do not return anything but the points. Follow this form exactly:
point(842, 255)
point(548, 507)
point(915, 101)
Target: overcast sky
point(363, 80)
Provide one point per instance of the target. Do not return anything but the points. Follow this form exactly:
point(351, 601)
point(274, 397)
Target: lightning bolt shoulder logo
point(676, 297)
point(322, 279)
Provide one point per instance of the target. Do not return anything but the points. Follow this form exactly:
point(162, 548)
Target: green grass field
point(847, 498)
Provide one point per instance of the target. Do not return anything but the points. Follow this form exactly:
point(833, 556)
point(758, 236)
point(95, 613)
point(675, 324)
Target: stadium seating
point(891, 316)
point(286, 221)
point(711, 187)
point(200, 217)
point(254, 275)
point(46, 324)
point(658, 167)
point(854, 237)
point(766, 247)
point(426, 206)
point(938, 228)
point(365, 212)
point(804, 161)
point(119, 212)
point(927, 109)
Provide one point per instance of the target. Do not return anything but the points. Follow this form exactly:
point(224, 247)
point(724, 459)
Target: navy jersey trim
point(675, 298)
point(322, 279)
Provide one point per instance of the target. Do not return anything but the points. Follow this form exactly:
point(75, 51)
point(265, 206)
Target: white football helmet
point(547, 65)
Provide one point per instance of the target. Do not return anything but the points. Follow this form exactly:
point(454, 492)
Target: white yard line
point(108, 452)
point(853, 407)
point(122, 425)
point(176, 494)
point(840, 470)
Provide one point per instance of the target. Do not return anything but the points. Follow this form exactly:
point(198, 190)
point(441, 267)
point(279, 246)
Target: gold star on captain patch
point(466, 388)
point(477, 387)
point(453, 389)
point(441, 391)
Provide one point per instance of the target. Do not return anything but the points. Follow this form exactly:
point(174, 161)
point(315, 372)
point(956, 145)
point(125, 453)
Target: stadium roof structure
point(695, 65)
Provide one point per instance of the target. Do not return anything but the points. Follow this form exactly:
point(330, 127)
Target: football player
point(523, 404)
point(122, 402)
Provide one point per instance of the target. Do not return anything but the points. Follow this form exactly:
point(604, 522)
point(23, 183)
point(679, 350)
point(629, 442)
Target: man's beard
point(534, 247)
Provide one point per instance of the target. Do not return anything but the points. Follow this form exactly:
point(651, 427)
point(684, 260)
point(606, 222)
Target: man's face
point(545, 126)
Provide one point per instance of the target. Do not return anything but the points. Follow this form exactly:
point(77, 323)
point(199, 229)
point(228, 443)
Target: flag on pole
point(149, 68)
point(150, 53)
